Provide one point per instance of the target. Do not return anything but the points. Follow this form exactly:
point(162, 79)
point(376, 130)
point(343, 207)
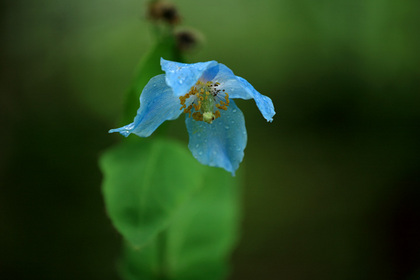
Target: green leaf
point(144, 185)
point(141, 263)
point(149, 67)
point(198, 240)
point(204, 232)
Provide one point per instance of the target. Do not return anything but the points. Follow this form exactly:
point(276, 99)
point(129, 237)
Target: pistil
point(205, 104)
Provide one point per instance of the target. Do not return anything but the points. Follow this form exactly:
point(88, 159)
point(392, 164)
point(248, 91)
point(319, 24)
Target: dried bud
point(164, 11)
point(187, 40)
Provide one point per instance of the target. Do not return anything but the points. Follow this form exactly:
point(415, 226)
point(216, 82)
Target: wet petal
point(263, 102)
point(238, 87)
point(221, 143)
point(181, 76)
point(157, 104)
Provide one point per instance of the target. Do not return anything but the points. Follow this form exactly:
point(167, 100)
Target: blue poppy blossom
point(204, 92)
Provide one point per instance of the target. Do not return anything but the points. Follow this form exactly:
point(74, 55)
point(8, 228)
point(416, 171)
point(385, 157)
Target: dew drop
point(234, 110)
point(197, 145)
point(226, 127)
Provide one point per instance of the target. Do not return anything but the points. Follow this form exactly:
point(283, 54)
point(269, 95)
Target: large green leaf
point(145, 183)
point(198, 240)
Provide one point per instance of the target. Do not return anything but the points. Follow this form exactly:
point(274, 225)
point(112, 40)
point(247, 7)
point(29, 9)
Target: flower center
point(207, 100)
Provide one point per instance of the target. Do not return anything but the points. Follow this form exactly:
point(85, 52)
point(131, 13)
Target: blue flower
point(204, 92)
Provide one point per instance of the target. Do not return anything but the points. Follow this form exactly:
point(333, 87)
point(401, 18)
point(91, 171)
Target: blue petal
point(157, 104)
point(221, 143)
point(238, 87)
point(263, 102)
point(181, 76)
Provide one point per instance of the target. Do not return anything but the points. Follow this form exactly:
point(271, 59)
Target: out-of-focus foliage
point(332, 185)
point(198, 239)
point(179, 217)
point(145, 184)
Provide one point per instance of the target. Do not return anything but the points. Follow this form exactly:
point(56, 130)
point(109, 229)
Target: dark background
point(332, 185)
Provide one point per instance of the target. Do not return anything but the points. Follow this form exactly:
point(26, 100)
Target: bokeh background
point(332, 186)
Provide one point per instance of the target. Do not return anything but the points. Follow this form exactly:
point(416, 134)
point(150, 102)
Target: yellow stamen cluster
point(204, 104)
point(224, 104)
point(182, 100)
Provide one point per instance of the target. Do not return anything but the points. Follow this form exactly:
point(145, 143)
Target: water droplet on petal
point(197, 145)
point(226, 127)
point(234, 110)
point(200, 153)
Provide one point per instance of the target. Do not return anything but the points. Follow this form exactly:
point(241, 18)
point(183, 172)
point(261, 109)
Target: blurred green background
point(332, 186)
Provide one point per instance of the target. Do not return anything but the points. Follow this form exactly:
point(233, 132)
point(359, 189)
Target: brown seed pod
point(164, 11)
point(187, 39)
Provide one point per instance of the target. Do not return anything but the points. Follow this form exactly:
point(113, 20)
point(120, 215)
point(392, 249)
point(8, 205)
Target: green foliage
point(178, 217)
point(144, 184)
point(204, 230)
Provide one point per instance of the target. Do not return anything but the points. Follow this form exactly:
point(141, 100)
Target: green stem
point(163, 266)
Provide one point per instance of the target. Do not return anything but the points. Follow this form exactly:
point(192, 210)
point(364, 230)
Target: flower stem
point(163, 267)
